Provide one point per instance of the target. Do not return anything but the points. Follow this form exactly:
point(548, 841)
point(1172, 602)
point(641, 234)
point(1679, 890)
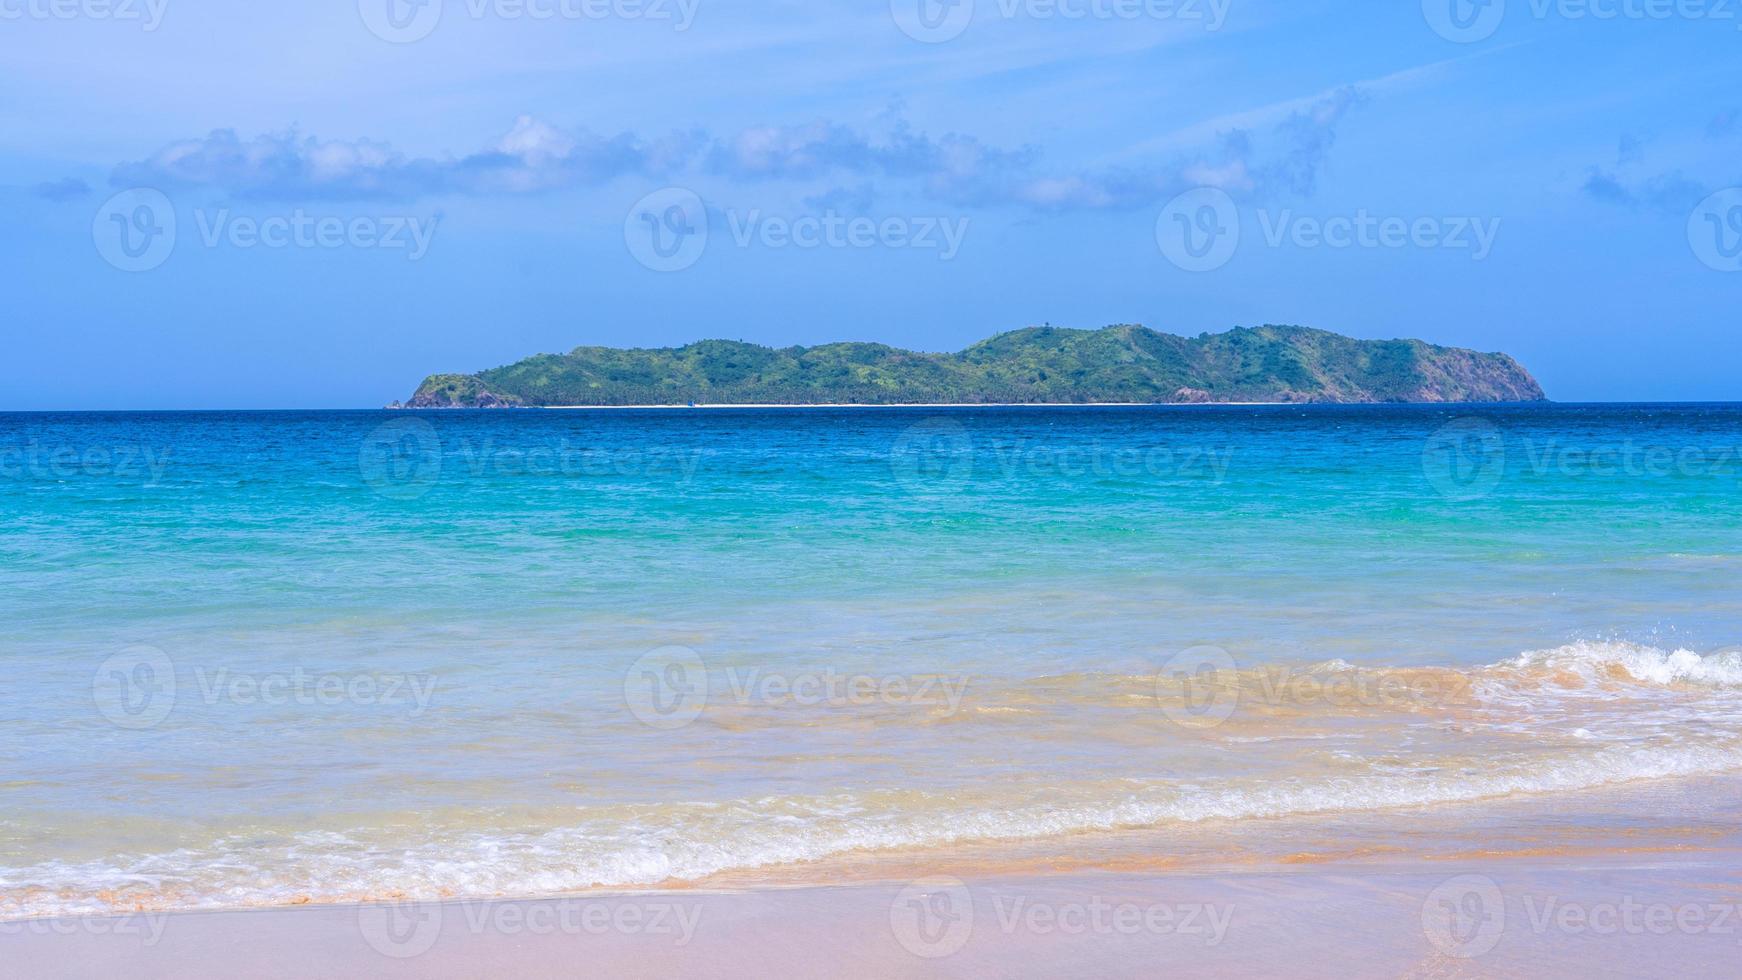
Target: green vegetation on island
point(1037, 365)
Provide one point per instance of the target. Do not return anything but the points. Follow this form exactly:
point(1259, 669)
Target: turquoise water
point(256, 657)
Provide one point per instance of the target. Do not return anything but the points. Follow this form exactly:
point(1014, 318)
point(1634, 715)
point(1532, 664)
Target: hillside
point(1036, 365)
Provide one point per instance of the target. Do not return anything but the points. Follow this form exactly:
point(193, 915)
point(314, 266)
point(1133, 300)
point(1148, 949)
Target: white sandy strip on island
point(576, 408)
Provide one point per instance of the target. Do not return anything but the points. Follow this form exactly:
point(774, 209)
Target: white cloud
point(534, 156)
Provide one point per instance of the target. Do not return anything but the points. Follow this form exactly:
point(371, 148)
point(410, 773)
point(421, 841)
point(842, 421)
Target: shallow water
point(263, 657)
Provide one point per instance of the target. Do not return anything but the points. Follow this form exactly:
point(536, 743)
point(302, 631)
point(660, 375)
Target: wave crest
point(1602, 662)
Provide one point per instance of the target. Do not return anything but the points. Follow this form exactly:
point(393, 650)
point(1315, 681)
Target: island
point(1123, 364)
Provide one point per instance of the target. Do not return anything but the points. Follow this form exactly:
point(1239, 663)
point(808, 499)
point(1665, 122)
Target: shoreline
point(1635, 819)
point(765, 405)
point(571, 408)
point(1519, 886)
point(893, 405)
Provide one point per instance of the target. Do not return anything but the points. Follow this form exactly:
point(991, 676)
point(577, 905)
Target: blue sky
point(362, 194)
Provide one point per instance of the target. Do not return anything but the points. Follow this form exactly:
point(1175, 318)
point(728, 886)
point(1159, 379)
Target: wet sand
point(1484, 918)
